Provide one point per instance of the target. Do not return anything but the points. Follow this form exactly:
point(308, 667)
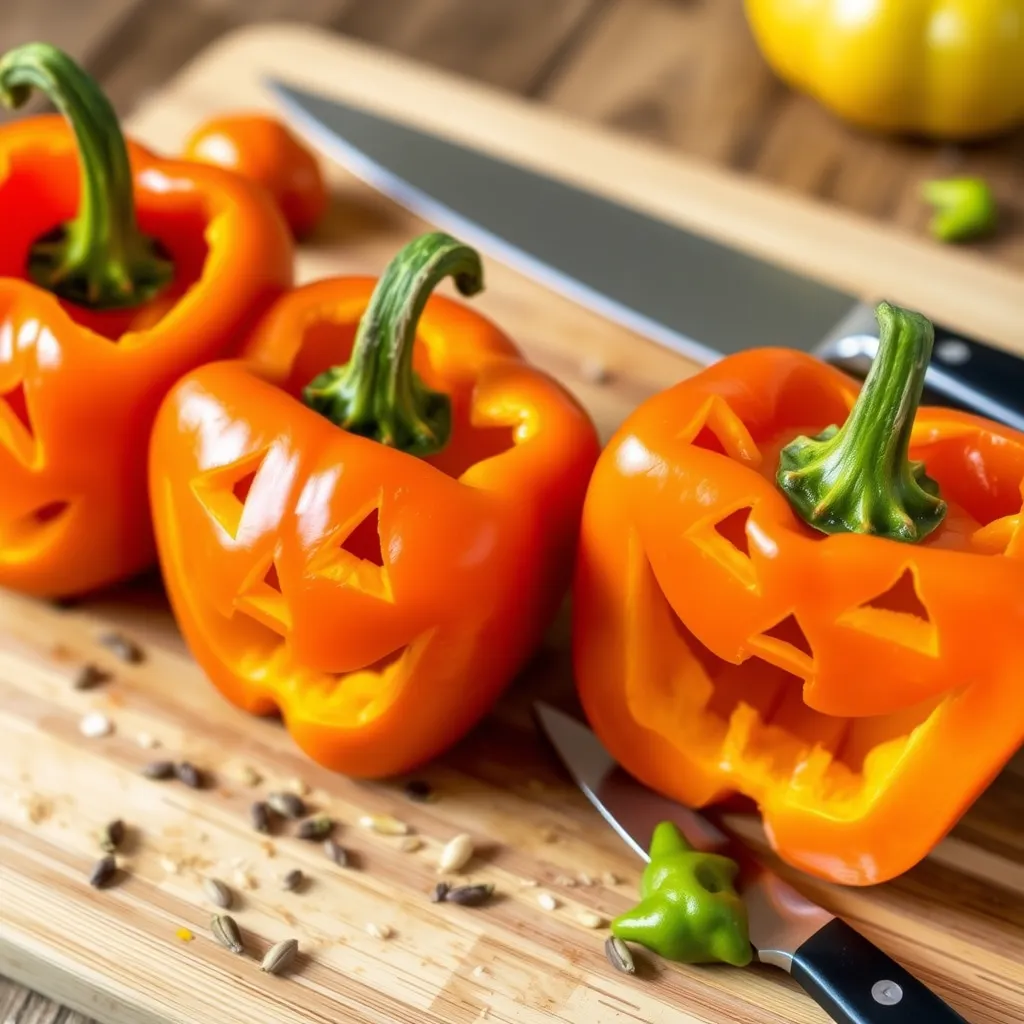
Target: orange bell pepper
point(376, 548)
point(165, 265)
point(264, 150)
point(829, 626)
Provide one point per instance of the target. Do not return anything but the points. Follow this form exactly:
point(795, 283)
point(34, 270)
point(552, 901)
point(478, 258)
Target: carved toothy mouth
point(265, 657)
point(749, 721)
point(25, 536)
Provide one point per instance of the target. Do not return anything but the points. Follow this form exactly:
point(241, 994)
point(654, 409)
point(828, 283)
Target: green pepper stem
point(100, 259)
point(377, 393)
point(858, 478)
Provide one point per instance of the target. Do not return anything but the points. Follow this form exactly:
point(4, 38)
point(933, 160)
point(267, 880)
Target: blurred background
point(684, 73)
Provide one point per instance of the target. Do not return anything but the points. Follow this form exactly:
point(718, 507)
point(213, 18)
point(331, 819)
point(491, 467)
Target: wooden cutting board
point(957, 919)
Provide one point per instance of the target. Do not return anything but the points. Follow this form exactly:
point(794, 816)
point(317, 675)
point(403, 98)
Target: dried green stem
point(859, 478)
point(100, 259)
point(377, 393)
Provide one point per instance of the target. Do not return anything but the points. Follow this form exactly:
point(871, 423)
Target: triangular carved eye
point(223, 491)
point(727, 542)
point(786, 646)
point(17, 430)
point(717, 428)
point(262, 599)
point(897, 615)
point(354, 556)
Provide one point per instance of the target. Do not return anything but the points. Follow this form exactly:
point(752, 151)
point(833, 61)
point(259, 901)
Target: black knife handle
point(856, 983)
point(978, 377)
point(964, 373)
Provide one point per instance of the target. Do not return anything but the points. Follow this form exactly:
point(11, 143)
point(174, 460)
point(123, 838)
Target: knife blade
point(853, 980)
point(687, 292)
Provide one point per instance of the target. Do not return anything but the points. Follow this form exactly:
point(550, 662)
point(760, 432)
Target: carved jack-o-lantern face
point(379, 600)
point(73, 510)
point(862, 691)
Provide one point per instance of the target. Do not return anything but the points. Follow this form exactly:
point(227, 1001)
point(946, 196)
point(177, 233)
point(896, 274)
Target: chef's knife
point(690, 293)
point(848, 976)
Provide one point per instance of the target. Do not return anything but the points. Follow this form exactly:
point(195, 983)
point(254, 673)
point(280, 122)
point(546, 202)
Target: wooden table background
point(684, 73)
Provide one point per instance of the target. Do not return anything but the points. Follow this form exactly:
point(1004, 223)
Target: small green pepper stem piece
point(377, 393)
point(689, 908)
point(101, 260)
point(858, 478)
point(965, 208)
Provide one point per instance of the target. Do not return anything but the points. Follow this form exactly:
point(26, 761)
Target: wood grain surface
point(957, 919)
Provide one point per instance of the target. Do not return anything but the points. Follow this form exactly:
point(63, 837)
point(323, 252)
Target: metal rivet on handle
point(886, 993)
point(953, 352)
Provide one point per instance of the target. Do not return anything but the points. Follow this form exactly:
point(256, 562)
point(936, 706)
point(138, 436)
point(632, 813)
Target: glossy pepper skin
point(80, 384)
point(823, 620)
point(950, 69)
point(261, 148)
point(380, 599)
point(689, 909)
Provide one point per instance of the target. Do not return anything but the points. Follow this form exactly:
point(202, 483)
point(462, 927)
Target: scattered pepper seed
point(565, 881)
point(95, 724)
point(103, 872)
point(288, 805)
point(337, 853)
point(112, 835)
point(244, 880)
point(470, 895)
point(610, 878)
point(88, 676)
point(170, 865)
point(419, 790)
point(189, 774)
point(480, 971)
point(293, 880)
point(589, 919)
point(410, 844)
point(595, 370)
point(300, 787)
point(584, 879)
point(158, 770)
point(279, 956)
point(248, 775)
point(379, 931)
point(259, 815)
point(440, 892)
point(457, 853)
point(547, 901)
point(317, 827)
point(226, 932)
point(268, 848)
point(619, 955)
point(217, 892)
point(528, 883)
point(384, 824)
point(147, 741)
point(121, 647)
point(184, 934)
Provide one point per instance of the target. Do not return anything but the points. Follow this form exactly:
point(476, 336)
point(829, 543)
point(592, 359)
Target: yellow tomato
point(944, 68)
